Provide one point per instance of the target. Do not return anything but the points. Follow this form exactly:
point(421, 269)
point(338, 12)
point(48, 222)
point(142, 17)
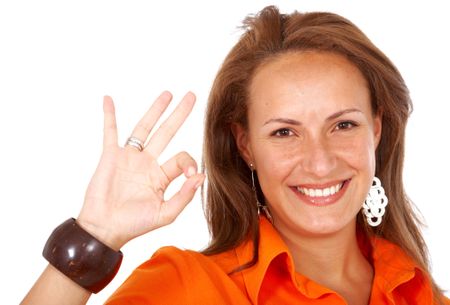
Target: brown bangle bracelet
point(81, 257)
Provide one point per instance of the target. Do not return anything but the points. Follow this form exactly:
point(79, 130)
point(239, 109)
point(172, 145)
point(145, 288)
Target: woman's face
point(311, 137)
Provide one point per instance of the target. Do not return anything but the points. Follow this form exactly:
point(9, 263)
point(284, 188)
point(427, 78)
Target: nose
point(317, 158)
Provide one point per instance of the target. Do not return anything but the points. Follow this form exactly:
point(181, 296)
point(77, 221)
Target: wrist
point(102, 234)
point(81, 257)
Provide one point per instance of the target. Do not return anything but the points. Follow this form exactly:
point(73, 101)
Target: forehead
point(304, 77)
point(307, 62)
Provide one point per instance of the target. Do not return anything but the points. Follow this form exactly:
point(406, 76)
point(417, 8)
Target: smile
point(321, 196)
point(320, 192)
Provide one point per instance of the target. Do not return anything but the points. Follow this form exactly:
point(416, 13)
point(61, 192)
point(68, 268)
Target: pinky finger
point(109, 125)
point(175, 205)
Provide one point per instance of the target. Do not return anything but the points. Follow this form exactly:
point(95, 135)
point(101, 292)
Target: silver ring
point(135, 142)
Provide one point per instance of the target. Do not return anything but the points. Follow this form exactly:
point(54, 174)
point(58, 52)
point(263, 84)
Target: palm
point(130, 182)
point(125, 197)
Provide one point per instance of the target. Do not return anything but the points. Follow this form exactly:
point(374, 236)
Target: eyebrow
point(283, 120)
point(339, 113)
point(295, 122)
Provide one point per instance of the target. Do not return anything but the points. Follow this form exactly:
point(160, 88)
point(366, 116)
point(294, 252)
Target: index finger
point(161, 138)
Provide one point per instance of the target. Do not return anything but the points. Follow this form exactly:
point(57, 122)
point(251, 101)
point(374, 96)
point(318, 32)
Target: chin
point(320, 228)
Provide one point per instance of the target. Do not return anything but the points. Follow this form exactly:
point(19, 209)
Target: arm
point(125, 197)
point(54, 288)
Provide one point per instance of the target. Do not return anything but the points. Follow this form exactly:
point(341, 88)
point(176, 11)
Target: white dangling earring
point(259, 205)
point(375, 204)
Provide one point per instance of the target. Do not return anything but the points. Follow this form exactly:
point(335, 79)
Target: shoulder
point(175, 258)
point(193, 263)
point(175, 276)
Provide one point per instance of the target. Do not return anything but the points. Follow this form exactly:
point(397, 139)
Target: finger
point(109, 123)
point(148, 121)
point(169, 127)
point(179, 164)
point(173, 207)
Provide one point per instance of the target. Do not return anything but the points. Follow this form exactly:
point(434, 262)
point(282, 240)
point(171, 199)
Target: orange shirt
point(174, 276)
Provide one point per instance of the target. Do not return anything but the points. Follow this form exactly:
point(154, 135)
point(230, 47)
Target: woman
point(305, 118)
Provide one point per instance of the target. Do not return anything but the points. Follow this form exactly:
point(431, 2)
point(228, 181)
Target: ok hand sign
point(125, 197)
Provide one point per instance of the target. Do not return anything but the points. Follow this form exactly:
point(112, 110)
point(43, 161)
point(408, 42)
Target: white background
point(58, 58)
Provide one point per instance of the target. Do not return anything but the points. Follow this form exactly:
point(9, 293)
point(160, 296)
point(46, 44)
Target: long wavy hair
point(229, 200)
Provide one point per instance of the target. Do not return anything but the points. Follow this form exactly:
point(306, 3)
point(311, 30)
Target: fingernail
point(191, 171)
point(166, 94)
point(200, 182)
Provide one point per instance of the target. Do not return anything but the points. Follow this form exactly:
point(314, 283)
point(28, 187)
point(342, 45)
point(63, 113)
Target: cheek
point(358, 152)
point(274, 164)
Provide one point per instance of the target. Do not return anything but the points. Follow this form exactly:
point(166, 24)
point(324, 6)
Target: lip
point(323, 200)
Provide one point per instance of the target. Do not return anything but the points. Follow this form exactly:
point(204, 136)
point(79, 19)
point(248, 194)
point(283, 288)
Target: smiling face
point(312, 137)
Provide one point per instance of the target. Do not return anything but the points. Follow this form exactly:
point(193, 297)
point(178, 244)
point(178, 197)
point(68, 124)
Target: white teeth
point(320, 192)
point(333, 190)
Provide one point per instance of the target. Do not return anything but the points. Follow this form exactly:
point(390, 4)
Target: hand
point(125, 197)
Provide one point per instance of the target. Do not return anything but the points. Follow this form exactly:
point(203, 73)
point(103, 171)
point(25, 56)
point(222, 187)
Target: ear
point(242, 142)
point(377, 128)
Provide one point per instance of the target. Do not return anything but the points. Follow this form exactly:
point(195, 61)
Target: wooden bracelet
point(81, 257)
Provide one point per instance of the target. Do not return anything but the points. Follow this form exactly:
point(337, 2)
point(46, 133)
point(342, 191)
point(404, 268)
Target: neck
point(330, 260)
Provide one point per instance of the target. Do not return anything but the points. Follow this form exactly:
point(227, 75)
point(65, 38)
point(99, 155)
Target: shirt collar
point(393, 268)
point(391, 265)
point(270, 246)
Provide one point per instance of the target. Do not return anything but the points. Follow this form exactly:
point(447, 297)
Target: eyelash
point(277, 133)
point(347, 123)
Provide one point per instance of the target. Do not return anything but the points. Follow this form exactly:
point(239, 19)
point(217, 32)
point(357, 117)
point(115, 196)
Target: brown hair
point(230, 203)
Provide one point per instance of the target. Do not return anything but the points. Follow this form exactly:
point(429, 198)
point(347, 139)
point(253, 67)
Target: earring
point(375, 204)
point(260, 206)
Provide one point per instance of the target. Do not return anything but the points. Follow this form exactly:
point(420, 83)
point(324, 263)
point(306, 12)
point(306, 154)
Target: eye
point(282, 132)
point(345, 125)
